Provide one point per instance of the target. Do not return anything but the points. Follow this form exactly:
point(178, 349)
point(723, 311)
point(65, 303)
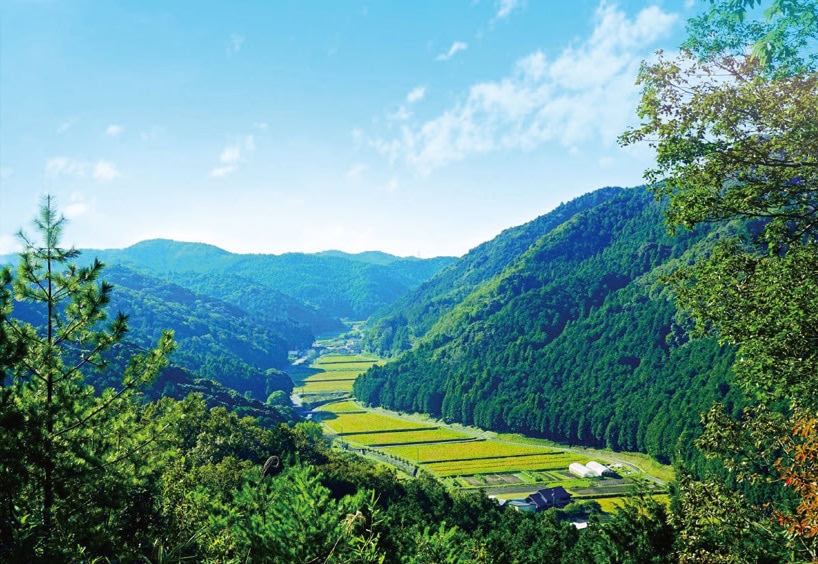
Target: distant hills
point(235, 317)
point(333, 284)
point(558, 328)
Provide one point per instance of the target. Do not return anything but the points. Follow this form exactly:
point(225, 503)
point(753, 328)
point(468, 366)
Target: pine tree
point(67, 454)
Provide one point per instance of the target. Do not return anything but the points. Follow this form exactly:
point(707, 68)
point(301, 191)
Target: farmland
point(507, 466)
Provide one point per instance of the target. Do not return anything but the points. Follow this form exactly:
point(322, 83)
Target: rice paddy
point(506, 465)
point(368, 422)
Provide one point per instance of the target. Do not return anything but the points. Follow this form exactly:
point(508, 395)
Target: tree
point(734, 121)
point(69, 454)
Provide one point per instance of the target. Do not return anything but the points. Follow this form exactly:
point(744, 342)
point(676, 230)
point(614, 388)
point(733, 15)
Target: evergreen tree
point(70, 457)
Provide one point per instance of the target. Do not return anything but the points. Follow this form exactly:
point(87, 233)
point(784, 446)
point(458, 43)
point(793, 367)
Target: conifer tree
point(68, 454)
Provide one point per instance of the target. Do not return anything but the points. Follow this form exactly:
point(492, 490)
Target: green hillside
point(573, 340)
point(393, 328)
point(335, 285)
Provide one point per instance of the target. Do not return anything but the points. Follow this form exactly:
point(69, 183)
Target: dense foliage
point(734, 120)
point(575, 340)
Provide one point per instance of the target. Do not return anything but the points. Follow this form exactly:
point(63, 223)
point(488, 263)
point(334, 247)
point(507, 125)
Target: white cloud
point(66, 125)
point(222, 170)
point(586, 93)
point(105, 171)
point(261, 125)
point(401, 114)
point(9, 245)
point(77, 205)
point(416, 94)
point(65, 166)
point(114, 130)
point(234, 44)
point(505, 7)
point(231, 156)
point(6, 172)
point(456, 47)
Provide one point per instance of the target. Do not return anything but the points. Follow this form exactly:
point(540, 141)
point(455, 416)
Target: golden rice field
point(429, 436)
point(341, 407)
point(499, 465)
point(311, 387)
point(345, 423)
point(470, 450)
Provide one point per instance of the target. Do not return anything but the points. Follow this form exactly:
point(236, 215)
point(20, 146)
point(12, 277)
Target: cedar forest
point(678, 320)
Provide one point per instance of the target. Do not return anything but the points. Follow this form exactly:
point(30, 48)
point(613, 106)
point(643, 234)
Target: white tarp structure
point(581, 470)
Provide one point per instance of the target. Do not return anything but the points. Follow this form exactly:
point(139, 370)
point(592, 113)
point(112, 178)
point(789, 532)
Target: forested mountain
point(334, 284)
point(393, 328)
point(573, 339)
point(214, 339)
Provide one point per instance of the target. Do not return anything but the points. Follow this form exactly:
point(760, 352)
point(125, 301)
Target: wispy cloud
point(66, 125)
point(235, 44)
point(456, 47)
point(77, 205)
point(59, 167)
point(114, 130)
point(105, 171)
point(416, 94)
point(260, 125)
point(231, 156)
point(152, 134)
point(505, 7)
point(56, 167)
point(587, 92)
point(356, 171)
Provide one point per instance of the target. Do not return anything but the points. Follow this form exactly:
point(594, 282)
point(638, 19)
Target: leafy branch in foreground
point(734, 122)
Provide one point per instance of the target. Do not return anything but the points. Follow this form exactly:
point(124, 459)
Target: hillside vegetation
point(573, 339)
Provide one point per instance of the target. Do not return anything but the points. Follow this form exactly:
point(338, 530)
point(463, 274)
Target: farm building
point(581, 470)
point(549, 497)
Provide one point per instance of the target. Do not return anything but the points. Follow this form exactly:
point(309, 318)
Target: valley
point(503, 466)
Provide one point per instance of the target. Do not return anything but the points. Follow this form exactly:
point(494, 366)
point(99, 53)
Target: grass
point(611, 504)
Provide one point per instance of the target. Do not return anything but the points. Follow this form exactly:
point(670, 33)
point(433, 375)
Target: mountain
point(563, 332)
point(393, 328)
point(334, 285)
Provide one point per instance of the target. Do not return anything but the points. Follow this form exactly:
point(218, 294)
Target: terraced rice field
point(509, 467)
point(469, 450)
point(337, 373)
point(499, 464)
point(341, 407)
point(358, 423)
point(422, 438)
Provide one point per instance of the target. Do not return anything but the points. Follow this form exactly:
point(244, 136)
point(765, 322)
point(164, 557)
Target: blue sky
point(418, 128)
